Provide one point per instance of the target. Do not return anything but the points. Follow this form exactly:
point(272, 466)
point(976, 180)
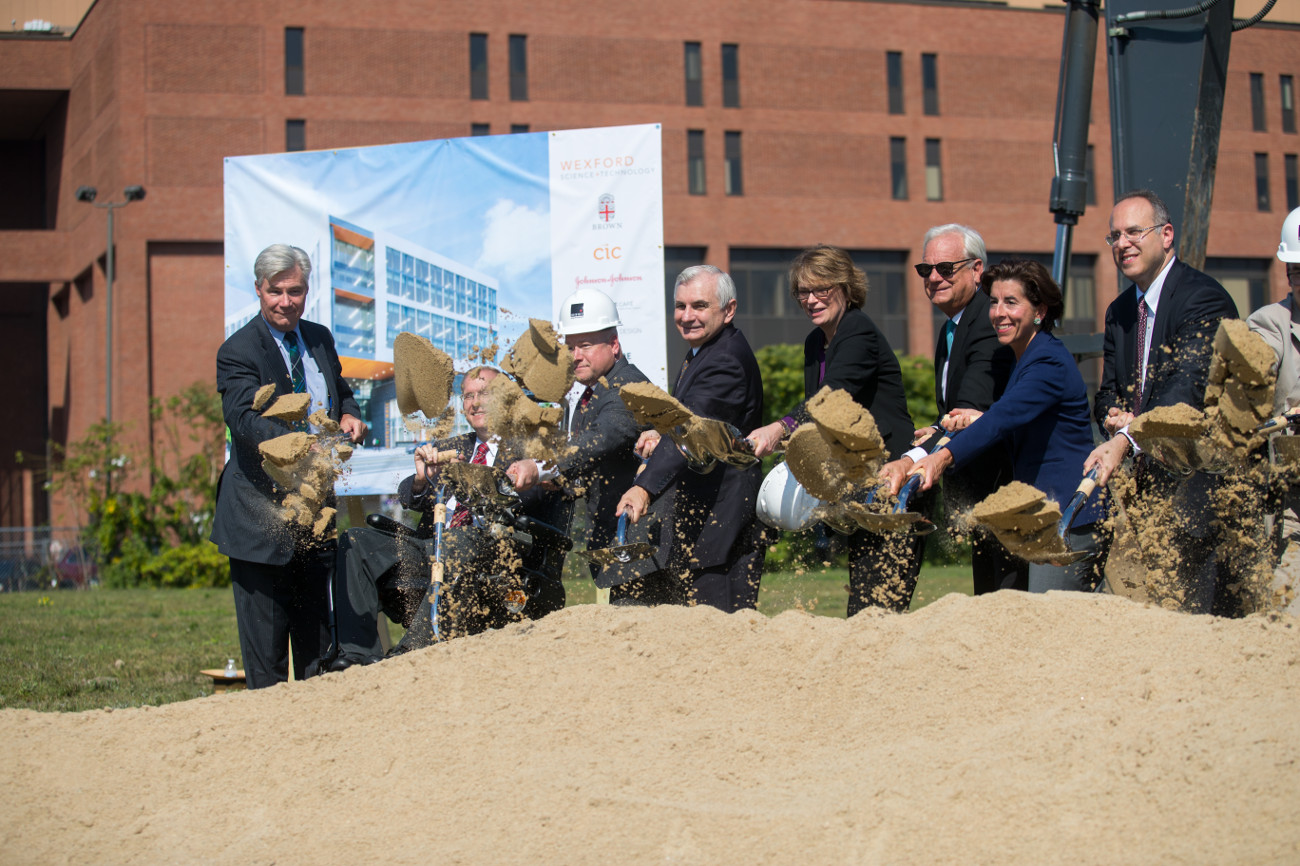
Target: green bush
point(196, 565)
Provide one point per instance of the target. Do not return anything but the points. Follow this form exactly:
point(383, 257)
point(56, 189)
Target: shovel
point(1277, 422)
point(622, 552)
point(711, 440)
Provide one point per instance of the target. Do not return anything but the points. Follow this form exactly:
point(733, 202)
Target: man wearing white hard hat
point(602, 435)
point(1279, 325)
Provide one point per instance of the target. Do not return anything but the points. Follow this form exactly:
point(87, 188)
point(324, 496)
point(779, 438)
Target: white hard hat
point(783, 503)
point(587, 310)
point(1289, 249)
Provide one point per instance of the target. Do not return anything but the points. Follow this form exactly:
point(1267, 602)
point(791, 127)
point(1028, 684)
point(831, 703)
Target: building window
point(1257, 102)
point(694, 75)
point(1292, 183)
point(295, 135)
point(1245, 279)
point(676, 260)
point(478, 66)
point(898, 168)
point(518, 128)
point(695, 161)
point(731, 76)
point(293, 66)
point(894, 79)
point(1287, 86)
point(1090, 177)
point(519, 68)
point(1261, 182)
point(933, 171)
point(930, 84)
point(735, 184)
point(480, 129)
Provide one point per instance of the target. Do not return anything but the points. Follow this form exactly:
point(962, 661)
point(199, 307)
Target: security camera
point(133, 193)
point(86, 193)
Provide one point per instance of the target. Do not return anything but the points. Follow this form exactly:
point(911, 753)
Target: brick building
point(784, 124)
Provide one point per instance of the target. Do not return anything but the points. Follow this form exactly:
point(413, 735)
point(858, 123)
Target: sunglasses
point(945, 269)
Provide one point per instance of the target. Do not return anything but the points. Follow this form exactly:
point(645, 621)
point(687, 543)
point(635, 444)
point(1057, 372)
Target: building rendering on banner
point(859, 123)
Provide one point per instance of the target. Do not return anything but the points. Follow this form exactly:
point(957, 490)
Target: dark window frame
point(1258, 120)
point(898, 168)
point(930, 85)
point(693, 71)
point(894, 82)
point(295, 135)
point(477, 129)
point(730, 75)
point(479, 78)
point(1286, 88)
point(733, 164)
point(1290, 173)
point(295, 67)
point(1263, 198)
point(518, 67)
point(934, 160)
point(696, 176)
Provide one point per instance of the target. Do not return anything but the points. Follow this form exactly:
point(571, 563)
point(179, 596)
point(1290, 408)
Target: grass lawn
point(72, 650)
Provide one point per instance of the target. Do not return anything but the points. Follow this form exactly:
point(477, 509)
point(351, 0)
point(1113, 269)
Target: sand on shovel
point(541, 362)
point(1248, 358)
point(652, 405)
point(817, 465)
point(263, 396)
point(1024, 521)
point(423, 375)
point(1179, 421)
point(323, 422)
point(289, 407)
point(512, 414)
point(846, 423)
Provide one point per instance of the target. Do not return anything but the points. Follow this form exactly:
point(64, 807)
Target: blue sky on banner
point(482, 201)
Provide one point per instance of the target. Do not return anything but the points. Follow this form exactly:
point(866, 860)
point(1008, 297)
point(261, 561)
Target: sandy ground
point(1003, 729)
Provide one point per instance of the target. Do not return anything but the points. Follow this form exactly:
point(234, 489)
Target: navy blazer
point(1043, 414)
point(713, 514)
point(1187, 318)
point(247, 525)
point(860, 361)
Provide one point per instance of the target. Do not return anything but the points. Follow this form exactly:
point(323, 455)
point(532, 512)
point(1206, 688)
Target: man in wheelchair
point(502, 552)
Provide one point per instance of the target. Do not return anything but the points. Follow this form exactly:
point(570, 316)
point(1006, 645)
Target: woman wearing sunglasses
point(1042, 416)
point(846, 350)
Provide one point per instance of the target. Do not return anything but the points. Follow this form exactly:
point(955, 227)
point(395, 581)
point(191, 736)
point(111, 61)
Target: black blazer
point(1182, 340)
point(247, 525)
point(978, 369)
point(860, 361)
point(713, 514)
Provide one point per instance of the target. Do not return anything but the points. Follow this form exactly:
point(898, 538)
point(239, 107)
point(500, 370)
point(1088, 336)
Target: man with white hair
point(713, 538)
point(279, 570)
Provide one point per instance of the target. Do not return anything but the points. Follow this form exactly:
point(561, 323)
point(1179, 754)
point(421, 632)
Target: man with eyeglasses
point(600, 463)
point(1158, 342)
point(971, 369)
point(1279, 325)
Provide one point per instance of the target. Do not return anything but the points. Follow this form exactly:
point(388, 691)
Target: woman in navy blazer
point(846, 350)
point(1043, 415)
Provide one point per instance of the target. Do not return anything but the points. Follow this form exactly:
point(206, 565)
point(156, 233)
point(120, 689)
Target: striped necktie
point(295, 363)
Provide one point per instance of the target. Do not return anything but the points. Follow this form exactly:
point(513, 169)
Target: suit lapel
point(323, 363)
point(274, 360)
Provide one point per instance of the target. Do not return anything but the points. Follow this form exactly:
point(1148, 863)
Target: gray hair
point(971, 241)
point(726, 288)
point(278, 258)
point(1158, 206)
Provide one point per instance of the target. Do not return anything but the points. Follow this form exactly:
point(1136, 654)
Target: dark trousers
point(883, 568)
point(276, 605)
point(992, 567)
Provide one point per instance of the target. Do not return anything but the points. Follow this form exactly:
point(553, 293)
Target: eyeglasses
point(945, 269)
point(820, 294)
point(1293, 277)
point(1130, 235)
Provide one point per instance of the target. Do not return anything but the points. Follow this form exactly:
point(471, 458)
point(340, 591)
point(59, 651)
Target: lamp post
point(130, 194)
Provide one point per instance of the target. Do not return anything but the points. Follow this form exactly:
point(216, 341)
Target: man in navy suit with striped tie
point(279, 571)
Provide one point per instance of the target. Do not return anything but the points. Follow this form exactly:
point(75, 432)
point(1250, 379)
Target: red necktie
point(1138, 384)
point(461, 517)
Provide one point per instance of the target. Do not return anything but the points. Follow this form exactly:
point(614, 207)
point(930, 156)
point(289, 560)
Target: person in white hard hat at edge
point(602, 461)
point(1279, 325)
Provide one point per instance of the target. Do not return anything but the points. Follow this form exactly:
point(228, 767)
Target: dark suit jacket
point(1043, 414)
point(1182, 339)
point(978, 369)
point(246, 525)
point(713, 514)
point(860, 361)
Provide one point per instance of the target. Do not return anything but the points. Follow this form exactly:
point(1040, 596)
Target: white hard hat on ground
point(783, 503)
point(1289, 249)
point(587, 310)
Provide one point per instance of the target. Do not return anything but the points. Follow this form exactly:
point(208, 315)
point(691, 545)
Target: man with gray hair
point(712, 536)
point(970, 371)
point(279, 570)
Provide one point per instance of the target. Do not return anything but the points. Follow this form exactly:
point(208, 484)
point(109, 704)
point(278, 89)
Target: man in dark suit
point(391, 572)
point(279, 571)
point(1158, 342)
point(601, 462)
point(713, 539)
point(970, 372)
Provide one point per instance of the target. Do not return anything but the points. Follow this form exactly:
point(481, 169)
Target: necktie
point(461, 517)
point(585, 399)
point(682, 372)
point(1140, 354)
point(949, 331)
point(295, 363)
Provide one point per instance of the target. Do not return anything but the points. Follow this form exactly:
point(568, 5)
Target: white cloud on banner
point(515, 240)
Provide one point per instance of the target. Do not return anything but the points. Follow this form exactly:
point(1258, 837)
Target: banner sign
point(461, 241)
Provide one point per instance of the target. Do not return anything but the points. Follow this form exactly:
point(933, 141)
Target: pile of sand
point(541, 362)
point(512, 415)
point(1239, 394)
point(1008, 728)
point(303, 464)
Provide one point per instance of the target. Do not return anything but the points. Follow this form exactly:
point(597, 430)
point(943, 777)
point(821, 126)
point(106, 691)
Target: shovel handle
point(620, 535)
point(1081, 494)
point(909, 487)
